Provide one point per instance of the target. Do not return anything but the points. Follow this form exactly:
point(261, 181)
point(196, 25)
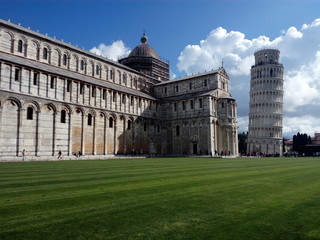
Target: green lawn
point(169, 198)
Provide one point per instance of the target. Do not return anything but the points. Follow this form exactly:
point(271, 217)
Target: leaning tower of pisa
point(266, 104)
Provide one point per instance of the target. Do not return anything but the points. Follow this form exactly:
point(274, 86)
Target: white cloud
point(307, 124)
point(293, 33)
point(114, 51)
point(243, 124)
point(302, 86)
point(300, 55)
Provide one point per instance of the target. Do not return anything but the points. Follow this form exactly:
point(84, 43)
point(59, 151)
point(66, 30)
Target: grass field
point(169, 198)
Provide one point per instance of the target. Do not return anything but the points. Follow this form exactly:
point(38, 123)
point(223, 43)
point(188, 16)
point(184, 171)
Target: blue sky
point(169, 24)
point(173, 25)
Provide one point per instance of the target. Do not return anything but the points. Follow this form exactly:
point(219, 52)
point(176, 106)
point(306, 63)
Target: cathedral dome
point(144, 50)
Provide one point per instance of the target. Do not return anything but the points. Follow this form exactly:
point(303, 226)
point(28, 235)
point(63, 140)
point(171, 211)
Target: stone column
point(10, 77)
point(83, 135)
point(217, 134)
point(49, 56)
point(38, 120)
point(172, 127)
point(0, 73)
point(105, 135)
point(115, 138)
point(236, 142)
point(125, 137)
point(70, 134)
point(54, 126)
point(133, 137)
point(20, 114)
point(94, 135)
point(210, 137)
point(228, 141)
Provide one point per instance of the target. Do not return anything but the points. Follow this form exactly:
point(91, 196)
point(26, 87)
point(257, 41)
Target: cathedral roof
point(72, 75)
point(144, 49)
point(191, 77)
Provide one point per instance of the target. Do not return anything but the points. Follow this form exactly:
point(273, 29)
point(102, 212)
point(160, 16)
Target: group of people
point(24, 155)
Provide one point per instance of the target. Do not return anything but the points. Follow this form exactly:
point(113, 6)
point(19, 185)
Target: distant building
point(57, 97)
point(316, 138)
point(288, 146)
point(266, 104)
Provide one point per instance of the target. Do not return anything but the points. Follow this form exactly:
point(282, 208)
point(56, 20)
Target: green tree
point(242, 143)
point(300, 140)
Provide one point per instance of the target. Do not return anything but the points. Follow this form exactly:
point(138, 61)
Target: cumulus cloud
point(303, 85)
point(307, 124)
point(300, 55)
point(114, 51)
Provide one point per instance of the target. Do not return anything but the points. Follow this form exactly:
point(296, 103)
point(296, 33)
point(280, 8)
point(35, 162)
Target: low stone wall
point(64, 158)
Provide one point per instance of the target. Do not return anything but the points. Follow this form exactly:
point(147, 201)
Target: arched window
point(177, 130)
point(65, 59)
point(20, 46)
point(129, 124)
point(114, 99)
point(69, 84)
point(17, 74)
point(45, 53)
point(52, 80)
point(145, 126)
point(93, 93)
point(111, 74)
point(89, 119)
point(81, 88)
point(35, 78)
point(29, 113)
point(205, 82)
point(110, 122)
point(97, 70)
point(81, 65)
point(63, 116)
point(92, 66)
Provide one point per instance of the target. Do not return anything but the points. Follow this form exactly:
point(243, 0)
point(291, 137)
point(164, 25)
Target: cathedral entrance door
point(195, 148)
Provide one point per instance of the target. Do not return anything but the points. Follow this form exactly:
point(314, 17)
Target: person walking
point(23, 154)
point(59, 155)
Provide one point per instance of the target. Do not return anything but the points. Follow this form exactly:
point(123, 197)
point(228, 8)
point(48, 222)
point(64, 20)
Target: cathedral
point(58, 98)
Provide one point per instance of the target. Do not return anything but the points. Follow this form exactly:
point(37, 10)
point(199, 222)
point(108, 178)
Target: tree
point(295, 143)
point(299, 141)
point(242, 143)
